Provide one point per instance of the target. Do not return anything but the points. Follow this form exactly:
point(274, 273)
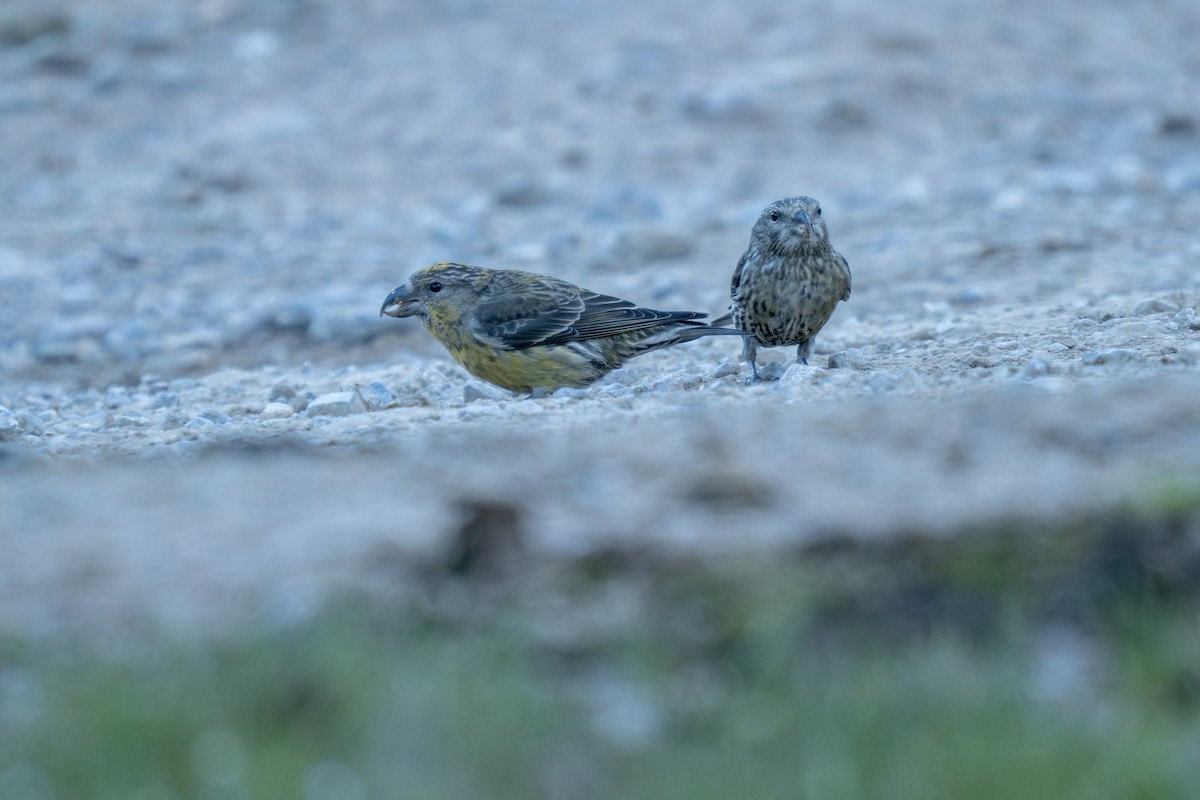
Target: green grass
point(1025, 662)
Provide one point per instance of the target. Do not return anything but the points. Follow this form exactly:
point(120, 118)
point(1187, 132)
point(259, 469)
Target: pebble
point(1188, 354)
point(174, 420)
point(852, 358)
point(9, 427)
point(1147, 307)
point(726, 368)
point(31, 425)
point(301, 400)
point(679, 381)
point(474, 391)
point(803, 373)
point(276, 411)
point(1110, 355)
point(376, 395)
point(281, 393)
point(216, 417)
point(1037, 367)
point(336, 404)
point(1129, 332)
point(772, 370)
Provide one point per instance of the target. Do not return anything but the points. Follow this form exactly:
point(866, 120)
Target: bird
point(527, 332)
point(788, 282)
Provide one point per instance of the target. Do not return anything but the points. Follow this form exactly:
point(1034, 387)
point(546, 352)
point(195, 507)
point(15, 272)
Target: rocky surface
point(202, 206)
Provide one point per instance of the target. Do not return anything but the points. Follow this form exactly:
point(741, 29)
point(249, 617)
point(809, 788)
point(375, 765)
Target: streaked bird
point(788, 282)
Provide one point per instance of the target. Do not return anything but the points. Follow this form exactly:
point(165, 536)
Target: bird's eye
point(774, 216)
point(818, 211)
point(436, 286)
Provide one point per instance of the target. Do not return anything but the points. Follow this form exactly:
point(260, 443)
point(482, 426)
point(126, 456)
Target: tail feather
point(683, 332)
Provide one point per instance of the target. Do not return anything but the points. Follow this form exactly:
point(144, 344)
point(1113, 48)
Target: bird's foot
point(769, 372)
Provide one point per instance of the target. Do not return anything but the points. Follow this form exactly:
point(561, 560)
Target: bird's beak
point(401, 302)
point(802, 218)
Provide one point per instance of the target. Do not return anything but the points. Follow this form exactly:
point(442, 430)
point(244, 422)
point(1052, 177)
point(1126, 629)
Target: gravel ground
point(202, 206)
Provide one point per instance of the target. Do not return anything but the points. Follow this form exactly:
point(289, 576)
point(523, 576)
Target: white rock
point(1111, 355)
point(277, 411)
point(852, 358)
point(336, 404)
point(1147, 307)
point(9, 427)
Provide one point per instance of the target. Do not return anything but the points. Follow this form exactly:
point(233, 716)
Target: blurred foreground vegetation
point(1028, 661)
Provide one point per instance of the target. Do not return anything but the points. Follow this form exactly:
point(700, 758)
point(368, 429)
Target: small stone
point(1147, 307)
point(882, 382)
point(336, 404)
point(478, 390)
point(376, 396)
point(129, 421)
point(1188, 354)
point(216, 417)
point(1128, 332)
point(174, 420)
point(277, 411)
point(852, 358)
point(772, 370)
point(803, 373)
point(1111, 355)
point(200, 422)
point(1036, 368)
point(1185, 317)
point(1056, 347)
point(725, 369)
point(301, 401)
point(9, 427)
point(166, 400)
point(678, 381)
point(281, 393)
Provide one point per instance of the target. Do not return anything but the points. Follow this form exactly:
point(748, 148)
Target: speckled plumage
point(788, 282)
point(523, 331)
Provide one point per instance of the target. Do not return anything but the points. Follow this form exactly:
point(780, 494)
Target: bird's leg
point(750, 353)
point(803, 351)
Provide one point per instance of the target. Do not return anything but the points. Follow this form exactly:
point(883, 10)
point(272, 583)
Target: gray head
point(791, 225)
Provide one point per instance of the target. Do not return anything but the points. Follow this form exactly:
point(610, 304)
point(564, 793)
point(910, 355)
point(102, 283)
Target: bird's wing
point(527, 313)
point(736, 282)
point(604, 315)
point(846, 266)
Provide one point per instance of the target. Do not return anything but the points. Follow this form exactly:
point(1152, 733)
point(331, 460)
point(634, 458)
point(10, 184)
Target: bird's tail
point(683, 332)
